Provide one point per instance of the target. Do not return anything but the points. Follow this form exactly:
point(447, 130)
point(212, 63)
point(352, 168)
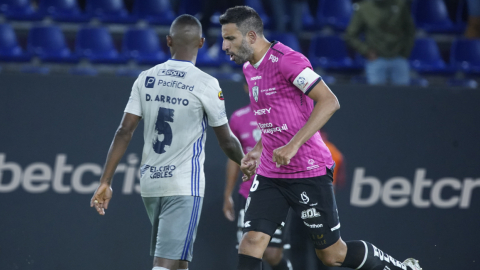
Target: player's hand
point(228, 208)
point(282, 155)
point(250, 164)
point(101, 198)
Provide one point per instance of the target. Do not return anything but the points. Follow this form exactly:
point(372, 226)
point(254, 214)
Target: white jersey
point(177, 101)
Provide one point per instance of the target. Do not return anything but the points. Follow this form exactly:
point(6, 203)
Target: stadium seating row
point(142, 45)
point(429, 15)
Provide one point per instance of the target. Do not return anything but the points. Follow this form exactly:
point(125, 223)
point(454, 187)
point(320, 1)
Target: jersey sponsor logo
point(158, 171)
point(256, 78)
point(175, 84)
point(305, 198)
point(247, 224)
point(310, 213)
point(172, 73)
point(255, 93)
point(149, 82)
point(262, 111)
point(268, 129)
point(311, 162)
point(220, 95)
point(313, 226)
point(273, 58)
point(167, 99)
point(269, 91)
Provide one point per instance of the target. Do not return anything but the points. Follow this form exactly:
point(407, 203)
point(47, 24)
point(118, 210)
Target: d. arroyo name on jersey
point(167, 99)
point(158, 171)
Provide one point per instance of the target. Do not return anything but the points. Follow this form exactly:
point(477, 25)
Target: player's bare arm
point(327, 104)
point(231, 178)
point(229, 143)
point(122, 138)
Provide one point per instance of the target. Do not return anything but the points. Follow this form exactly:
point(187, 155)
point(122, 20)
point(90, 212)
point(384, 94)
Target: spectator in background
point(473, 27)
point(389, 37)
point(281, 8)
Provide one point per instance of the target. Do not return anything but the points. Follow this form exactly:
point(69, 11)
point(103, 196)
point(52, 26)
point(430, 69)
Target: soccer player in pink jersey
point(244, 126)
point(292, 164)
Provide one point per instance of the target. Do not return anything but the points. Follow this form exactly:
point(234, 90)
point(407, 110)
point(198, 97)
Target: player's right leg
point(266, 210)
point(174, 227)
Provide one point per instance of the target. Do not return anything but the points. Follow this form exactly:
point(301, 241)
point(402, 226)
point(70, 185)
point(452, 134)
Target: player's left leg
point(274, 254)
point(175, 220)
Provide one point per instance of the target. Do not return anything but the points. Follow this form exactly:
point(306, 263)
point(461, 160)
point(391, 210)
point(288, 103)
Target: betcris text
point(62, 177)
point(398, 191)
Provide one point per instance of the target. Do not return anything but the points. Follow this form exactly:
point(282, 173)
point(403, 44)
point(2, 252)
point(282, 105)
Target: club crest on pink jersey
point(255, 93)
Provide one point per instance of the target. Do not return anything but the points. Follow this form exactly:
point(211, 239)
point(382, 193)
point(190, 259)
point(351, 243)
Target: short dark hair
point(186, 19)
point(245, 17)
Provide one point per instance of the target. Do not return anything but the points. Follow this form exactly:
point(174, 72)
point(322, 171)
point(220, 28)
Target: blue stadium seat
point(109, 11)
point(143, 46)
point(62, 10)
point(205, 60)
point(154, 11)
point(432, 16)
point(465, 55)
point(10, 51)
point(308, 21)
point(258, 7)
point(288, 39)
point(19, 10)
point(335, 13)
point(48, 43)
point(191, 7)
point(426, 58)
point(96, 44)
point(330, 53)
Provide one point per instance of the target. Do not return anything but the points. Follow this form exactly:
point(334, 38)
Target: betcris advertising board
point(413, 175)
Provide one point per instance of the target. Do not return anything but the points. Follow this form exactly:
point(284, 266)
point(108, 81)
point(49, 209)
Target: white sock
point(159, 268)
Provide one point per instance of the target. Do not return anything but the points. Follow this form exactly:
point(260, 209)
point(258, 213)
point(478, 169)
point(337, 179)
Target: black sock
point(373, 259)
point(282, 265)
point(246, 262)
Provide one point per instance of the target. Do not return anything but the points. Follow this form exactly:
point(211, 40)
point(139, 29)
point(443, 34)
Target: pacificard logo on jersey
point(262, 111)
point(172, 73)
point(256, 78)
point(149, 82)
point(175, 84)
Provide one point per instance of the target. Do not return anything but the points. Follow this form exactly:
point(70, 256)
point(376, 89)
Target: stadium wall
point(413, 176)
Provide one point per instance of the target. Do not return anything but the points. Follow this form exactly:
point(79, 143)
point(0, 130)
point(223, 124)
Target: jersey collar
point(260, 61)
point(176, 60)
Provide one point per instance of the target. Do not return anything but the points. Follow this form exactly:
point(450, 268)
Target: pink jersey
point(278, 90)
point(244, 126)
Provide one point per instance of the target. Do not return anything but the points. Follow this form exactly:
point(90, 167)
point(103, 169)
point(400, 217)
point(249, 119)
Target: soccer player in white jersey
point(293, 166)
point(176, 101)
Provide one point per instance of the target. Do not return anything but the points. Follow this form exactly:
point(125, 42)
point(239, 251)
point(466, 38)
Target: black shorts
point(312, 199)
point(279, 238)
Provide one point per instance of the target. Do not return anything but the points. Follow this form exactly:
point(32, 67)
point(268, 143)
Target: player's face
point(235, 44)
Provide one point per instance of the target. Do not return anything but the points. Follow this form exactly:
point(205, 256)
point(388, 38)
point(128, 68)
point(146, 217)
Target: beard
point(244, 53)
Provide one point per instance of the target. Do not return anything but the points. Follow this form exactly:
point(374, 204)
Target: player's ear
point(202, 41)
point(169, 41)
point(252, 37)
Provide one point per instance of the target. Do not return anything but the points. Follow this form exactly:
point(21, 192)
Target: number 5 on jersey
point(162, 127)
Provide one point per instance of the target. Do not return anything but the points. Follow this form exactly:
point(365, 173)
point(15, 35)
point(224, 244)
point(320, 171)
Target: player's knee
point(254, 239)
point(273, 256)
point(329, 259)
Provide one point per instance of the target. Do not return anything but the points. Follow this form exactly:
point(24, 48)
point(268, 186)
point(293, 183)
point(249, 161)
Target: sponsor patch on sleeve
point(220, 95)
point(306, 79)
